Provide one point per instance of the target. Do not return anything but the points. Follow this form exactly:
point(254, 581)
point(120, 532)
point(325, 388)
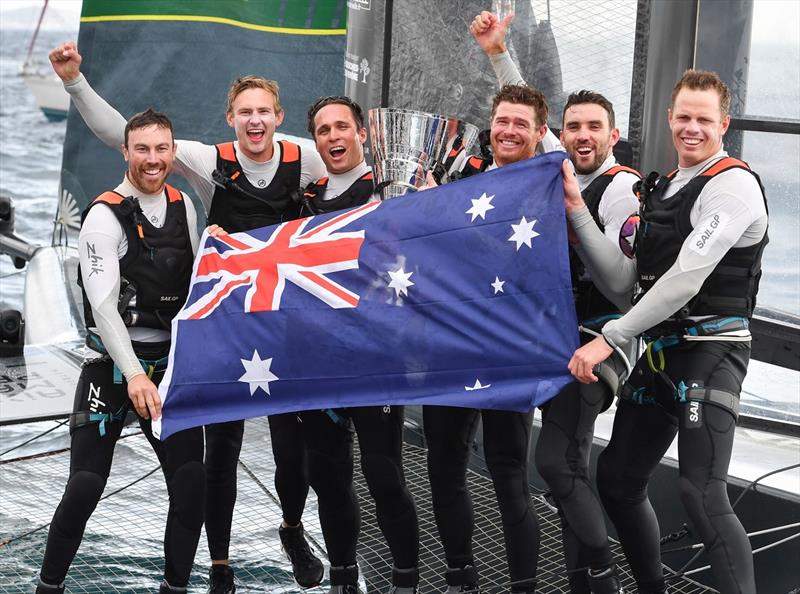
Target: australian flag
point(458, 295)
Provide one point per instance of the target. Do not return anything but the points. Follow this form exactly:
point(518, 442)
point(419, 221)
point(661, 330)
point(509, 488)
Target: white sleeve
point(311, 166)
point(617, 204)
point(506, 71)
point(605, 260)
point(103, 120)
point(98, 244)
point(196, 161)
point(191, 221)
point(728, 208)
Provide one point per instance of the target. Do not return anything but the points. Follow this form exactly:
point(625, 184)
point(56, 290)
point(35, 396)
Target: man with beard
point(696, 271)
point(141, 236)
point(337, 126)
point(242, 185)
point(562, 451)
point(518, 127)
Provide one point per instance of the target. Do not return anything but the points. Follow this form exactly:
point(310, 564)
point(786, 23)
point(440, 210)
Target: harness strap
point(103, 417)
point(721, 398)
point(638, 395)
point(150, 366)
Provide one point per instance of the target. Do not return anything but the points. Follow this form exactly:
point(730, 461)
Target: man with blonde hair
point(695, 279)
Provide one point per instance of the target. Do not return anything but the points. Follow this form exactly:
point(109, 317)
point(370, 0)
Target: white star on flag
point(497, 285)
point(257, 373)
point(523, 233)
point(477, 386)
point(400, 282)
point(480, 207)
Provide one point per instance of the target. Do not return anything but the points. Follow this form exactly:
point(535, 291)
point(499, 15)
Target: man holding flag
point(377, 305)
point(337, 126)
point(589, 135)
point(243, 184)
point(518, 126)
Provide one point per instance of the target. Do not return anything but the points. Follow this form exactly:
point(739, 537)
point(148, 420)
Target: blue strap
point(102, 418)
point(335, 417)
point(150, 366)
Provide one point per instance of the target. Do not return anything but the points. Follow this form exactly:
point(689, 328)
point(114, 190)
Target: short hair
point(524, 95)
point(583, 97)
point(251, 81)
point(355, 109)
point(703, 80)
point(148, 118)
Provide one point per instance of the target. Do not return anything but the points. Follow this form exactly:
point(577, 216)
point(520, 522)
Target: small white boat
point(45, 86)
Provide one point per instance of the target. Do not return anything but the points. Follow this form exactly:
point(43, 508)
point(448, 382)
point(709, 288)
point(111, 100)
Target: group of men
point(686, 283)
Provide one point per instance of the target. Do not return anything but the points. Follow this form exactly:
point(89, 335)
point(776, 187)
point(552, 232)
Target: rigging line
point(749, 535)
point(35, 437)
point(751, 485)
point(54, 452)
point(263, 487)
point(755, 551)
point(43, 526)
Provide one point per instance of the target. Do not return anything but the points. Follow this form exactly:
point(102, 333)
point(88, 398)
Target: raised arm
point(103, 120)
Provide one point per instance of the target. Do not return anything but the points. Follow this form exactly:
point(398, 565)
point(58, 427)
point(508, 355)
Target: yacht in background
point(45, 86)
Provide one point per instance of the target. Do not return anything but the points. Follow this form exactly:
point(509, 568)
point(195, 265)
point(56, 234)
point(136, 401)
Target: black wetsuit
point(330, 435)
point(159, 265)
point(449, 432)
point(565, 441)
point(235, 207)
point(693, 391)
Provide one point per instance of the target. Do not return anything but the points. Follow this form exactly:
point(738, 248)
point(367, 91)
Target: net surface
point(122, 546)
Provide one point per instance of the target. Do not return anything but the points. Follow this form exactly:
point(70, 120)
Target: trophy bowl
point(407, 144)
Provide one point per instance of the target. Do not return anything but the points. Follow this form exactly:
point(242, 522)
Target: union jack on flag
point(291, 253)
point(457, 296)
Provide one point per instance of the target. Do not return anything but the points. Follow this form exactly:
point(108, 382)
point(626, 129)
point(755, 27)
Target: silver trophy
point(407, 144)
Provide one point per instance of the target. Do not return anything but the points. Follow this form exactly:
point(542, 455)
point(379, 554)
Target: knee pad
point(187, 493)
point(702, 504)
point(384, 477)
point(554, 470)
point(81, 495)
point(616, 488)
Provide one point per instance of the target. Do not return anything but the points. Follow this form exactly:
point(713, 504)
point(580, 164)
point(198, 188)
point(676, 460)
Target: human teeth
point(692, 141)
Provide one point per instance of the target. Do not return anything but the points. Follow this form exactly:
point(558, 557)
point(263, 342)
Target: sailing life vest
point(475, 165)
point(664, 225)
point(157, 265)
point(357, 194)
point(589, 301)
point(237, 205)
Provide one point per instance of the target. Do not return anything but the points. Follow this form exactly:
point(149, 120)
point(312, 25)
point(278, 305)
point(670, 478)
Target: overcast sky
point(773, 19)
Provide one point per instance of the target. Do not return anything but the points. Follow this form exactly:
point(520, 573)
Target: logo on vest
point(169, 298)
point(705, 238)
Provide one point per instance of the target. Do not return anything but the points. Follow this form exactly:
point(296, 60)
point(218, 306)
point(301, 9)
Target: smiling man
point(141, 236)
point(244, 184)
point(696, 270)
point(588, 134)
point(518, 126)
point(337, 125)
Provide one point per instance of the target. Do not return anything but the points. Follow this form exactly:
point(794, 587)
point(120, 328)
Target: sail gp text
point(704, 239)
